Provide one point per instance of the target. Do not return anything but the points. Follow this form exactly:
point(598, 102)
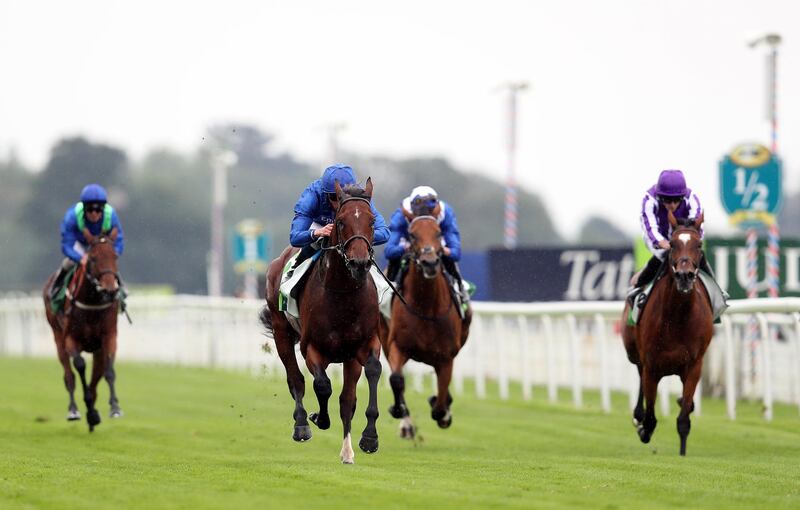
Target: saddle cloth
point(287, 302)
point(717, 297)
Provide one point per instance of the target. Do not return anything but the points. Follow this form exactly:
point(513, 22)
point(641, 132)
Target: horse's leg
point(440, 404)
point(111, 376)
point(93, 418)
point(295, 380)
point(638, 411)
point(650, 387)
point(98, 369)
point(69, 379)
point(690, 380)
point(317, 364)
point(372, 369)
point(347, 407)
point(398, 383)
point(397, 360)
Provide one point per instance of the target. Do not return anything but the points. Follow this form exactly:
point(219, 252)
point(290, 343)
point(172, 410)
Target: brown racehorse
point(674, 331)
point(339, 313)
point(89, 323)
point(427, 327)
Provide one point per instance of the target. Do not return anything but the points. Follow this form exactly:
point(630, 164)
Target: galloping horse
point(89, 323)
point(674, 331)
point(426, 327)
point(339, 313)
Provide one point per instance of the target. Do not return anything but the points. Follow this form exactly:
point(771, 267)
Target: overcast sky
point(619, 89)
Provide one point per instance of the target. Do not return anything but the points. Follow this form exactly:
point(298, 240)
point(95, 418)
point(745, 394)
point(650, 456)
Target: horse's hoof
point(301, 433)
point(74, 415)
point(93, 418)
point(322, 422)
point(115, 413)
point(644, 436)
point(347, 461)
point(446, 422)
point(368, 444)
point(398, 412)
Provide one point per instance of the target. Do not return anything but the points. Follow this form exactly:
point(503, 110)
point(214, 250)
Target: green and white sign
point(751, 185)
point(250, 247)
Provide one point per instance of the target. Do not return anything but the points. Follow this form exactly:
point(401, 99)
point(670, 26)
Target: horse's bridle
point(427, 250)
point(95, 281)
point(341, 246)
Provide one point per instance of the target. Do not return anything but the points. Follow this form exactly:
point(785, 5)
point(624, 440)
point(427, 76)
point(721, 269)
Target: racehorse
point(426, 325)
point(674, 331)
point(339, 312)
point(89, 323)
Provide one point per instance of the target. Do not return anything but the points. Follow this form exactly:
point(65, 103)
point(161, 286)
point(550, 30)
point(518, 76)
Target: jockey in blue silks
point(668, 194)
point(424, 200)
point(94, 213)
point(314, 213)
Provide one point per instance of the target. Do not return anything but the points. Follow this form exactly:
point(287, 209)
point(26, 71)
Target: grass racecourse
point(197, 438)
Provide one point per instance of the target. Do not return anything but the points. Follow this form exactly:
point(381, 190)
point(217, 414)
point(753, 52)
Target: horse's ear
point(113, 234)
point(698, 222)
point(671, 218)
point(437, 210)
point(88, 236)
point(339, 192)
point(368, 188)
point(408, 214)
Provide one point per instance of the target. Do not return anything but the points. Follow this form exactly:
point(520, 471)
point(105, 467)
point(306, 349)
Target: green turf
point(195, 438)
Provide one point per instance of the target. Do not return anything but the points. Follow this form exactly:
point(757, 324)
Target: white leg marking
point(347, 454)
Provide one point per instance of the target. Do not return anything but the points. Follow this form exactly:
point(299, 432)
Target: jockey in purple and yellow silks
point(668, 194)
point(314, 213)
point(94, 213)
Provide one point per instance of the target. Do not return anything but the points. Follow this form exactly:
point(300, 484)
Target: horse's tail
point(266, 320)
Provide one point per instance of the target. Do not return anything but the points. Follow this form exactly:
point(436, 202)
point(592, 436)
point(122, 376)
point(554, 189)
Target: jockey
point(314, 213)
point(93, 213)
point(669, 194)
point(422, 201)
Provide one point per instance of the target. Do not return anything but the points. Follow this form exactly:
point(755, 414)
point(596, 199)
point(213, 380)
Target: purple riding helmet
point(671, 183)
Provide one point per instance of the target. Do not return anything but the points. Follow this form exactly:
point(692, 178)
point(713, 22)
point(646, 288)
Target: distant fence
point(573, 345)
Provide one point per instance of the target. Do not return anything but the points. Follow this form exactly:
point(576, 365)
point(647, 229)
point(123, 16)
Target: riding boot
point(58, 283)
point(392, 270)
point(452, 268)
point(646, 276)
point(305, 253)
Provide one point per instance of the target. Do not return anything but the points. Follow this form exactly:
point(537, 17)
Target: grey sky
point(620, 89)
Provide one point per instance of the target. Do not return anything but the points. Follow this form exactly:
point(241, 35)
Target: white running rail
point(568, 345)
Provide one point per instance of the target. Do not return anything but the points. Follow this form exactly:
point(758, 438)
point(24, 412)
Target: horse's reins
point(416, 261)
point(341, 246)
point(86, 273)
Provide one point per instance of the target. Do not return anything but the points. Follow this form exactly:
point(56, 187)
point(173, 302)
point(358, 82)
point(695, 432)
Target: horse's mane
point(355, 191)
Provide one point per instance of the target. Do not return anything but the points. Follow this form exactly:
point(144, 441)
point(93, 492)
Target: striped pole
point(773, 260)
point(752, 292)
point(510, 222)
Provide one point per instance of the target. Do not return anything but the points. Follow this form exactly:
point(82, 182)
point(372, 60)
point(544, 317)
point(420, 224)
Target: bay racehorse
point(339, 314)
point(89, 323)
point(673, 332)
point(426, 326)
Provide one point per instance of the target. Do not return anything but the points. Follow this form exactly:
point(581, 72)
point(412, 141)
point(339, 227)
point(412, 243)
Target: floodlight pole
point(220, 162)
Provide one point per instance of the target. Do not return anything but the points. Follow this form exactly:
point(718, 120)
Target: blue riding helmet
point(93, 193)
point(338, 172)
